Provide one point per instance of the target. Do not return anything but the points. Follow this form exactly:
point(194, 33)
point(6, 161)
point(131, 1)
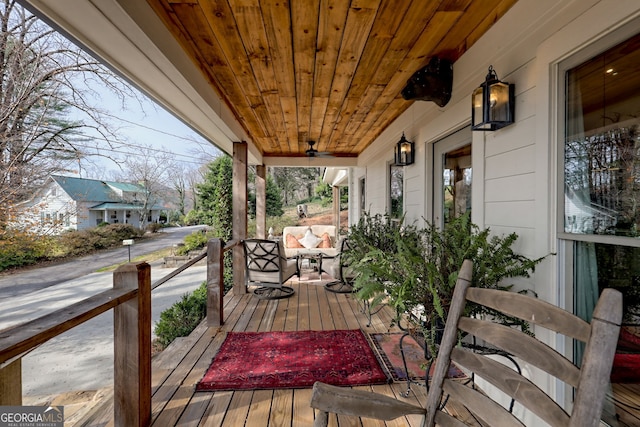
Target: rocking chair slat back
point(590, 380)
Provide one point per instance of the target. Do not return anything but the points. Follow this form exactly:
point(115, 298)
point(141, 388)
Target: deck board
point(176, 372)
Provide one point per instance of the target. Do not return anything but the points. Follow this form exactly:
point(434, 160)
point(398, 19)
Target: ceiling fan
point(312, 152)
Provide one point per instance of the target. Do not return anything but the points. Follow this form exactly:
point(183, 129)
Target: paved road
point(82, 358)
point(31, 280)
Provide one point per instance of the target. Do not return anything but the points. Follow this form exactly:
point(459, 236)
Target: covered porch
point(264, 108)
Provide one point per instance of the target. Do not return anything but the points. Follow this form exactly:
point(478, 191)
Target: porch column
point(132, 348)
point(239, 214)
point(261, 201)
point(336, 209)
point(11, 383)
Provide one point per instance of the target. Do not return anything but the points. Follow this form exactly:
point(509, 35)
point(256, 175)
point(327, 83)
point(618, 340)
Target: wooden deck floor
point(177, 370)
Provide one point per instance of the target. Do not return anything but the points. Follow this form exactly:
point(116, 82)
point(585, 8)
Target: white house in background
point(69, 203)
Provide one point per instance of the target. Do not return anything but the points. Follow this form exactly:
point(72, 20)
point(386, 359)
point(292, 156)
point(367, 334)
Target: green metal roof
point(126, 187)
point(86, 189)
point(101, 192)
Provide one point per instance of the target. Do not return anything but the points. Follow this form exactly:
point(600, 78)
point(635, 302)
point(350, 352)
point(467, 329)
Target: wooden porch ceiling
point(329, 71)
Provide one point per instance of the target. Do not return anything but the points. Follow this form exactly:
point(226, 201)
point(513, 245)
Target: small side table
point(310, 257)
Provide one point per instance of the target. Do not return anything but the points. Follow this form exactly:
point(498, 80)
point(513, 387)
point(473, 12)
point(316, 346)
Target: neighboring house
point(69, 203)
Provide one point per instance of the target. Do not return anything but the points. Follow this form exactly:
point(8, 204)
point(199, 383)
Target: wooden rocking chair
point(590, 381)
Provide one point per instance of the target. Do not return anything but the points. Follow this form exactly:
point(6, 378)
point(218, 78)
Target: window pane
point(457, 177)
point(598, 266)
point(602, 145)
point(395, 191)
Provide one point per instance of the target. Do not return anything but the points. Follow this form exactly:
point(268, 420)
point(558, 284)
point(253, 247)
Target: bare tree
point(152, 170)
point(179, 184)
point(296, 183)
point(194, 177)
point(40, 76)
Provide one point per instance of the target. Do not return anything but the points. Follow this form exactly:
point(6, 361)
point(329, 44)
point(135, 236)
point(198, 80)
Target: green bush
point(182, 317)
point(414, 270)
point(194, 241)
point(154, 227)
point(194, 217)
point(82, 242)
point(18, 248)
point(278, 223)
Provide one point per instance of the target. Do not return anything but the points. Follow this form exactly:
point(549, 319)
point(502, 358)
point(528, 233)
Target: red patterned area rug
point(388, 345)
point(270, 360)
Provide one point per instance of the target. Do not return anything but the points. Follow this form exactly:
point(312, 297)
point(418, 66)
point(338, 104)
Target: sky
point(138, 123)
point(141, 123)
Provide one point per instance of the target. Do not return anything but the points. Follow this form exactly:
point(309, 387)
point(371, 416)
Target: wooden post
point(336, 209)
point(261, 202)
point(239, 214)
point(11, 383)
point(132, 348)
point(215, 283)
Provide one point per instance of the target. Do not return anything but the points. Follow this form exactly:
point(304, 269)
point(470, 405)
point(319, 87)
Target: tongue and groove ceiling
point(329, 71)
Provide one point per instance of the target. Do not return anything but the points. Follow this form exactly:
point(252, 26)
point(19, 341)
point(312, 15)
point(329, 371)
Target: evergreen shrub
point(181, 318)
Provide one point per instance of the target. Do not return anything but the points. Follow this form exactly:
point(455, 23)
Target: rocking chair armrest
point(347, 401)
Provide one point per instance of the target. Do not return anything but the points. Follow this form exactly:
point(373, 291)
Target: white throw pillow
point(310, 240)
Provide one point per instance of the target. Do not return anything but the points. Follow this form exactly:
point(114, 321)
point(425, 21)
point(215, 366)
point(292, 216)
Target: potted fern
point(414, 270)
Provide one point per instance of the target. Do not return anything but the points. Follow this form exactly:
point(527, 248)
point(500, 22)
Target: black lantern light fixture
point(404, 152)
point(493, 104)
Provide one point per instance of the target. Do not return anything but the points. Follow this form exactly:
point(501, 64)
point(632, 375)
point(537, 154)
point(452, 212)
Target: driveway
point(82, 358)
point(24, 281)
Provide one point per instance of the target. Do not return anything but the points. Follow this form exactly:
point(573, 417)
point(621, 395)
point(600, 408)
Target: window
point(396, 182)
point(363, 200)
point(456, 181)
point(452, 177)
point(601, 208)
point(602, 160)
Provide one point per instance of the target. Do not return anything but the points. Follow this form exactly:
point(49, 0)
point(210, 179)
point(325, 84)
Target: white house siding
point(48, 206)
point(88, 219)
point(515, 170)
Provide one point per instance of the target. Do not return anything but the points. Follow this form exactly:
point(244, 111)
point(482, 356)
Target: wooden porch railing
point(131, 300)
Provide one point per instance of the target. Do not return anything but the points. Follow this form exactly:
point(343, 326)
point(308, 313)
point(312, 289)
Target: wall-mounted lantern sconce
point(404, 152)
point(493, 104)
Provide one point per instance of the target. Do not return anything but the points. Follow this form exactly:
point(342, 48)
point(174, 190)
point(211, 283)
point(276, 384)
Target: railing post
point(132, 348)
point(215, 282)
point(11, 383)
